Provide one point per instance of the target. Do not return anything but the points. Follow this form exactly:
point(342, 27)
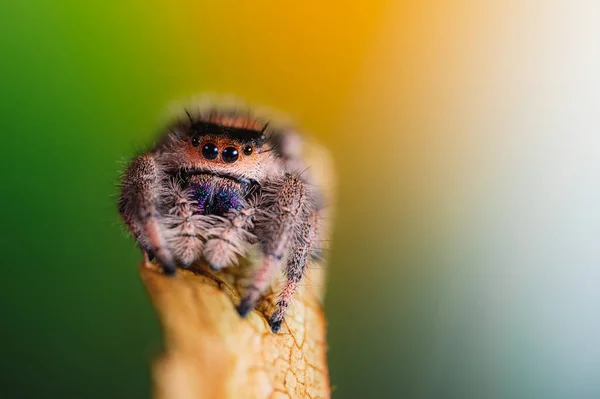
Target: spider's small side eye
point(248, 150)
point(210, 151)
point(196, 141)
point(230, 155)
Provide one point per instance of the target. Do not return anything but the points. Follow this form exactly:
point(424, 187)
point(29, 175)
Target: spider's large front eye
point(230, 155)
point(210, 151)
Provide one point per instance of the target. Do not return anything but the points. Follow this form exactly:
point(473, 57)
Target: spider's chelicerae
point(218, 183)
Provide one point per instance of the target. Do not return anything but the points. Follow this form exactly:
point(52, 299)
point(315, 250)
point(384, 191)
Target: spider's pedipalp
point(229, 238)
point(185, 230)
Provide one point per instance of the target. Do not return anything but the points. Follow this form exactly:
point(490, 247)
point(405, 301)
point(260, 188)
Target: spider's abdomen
point(216, 195)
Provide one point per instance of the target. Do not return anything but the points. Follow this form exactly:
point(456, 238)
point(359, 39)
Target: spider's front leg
point(142, 187)
point(284, 207)
point(302, 249)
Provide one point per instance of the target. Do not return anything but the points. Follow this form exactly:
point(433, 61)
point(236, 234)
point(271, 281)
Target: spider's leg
point(185, 229)
point(140, 196)
point(300, 254)
point(284, 207)
point(229, 238)
point(135, 230)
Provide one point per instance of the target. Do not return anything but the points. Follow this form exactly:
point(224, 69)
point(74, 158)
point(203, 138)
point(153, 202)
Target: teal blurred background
point(466, 138)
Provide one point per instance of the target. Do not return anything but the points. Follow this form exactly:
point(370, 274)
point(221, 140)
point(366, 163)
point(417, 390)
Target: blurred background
point(466, 135)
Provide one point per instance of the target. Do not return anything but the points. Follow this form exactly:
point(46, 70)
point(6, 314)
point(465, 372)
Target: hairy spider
point(219, 182)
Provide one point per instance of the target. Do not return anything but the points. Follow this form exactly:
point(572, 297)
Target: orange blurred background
point(465, 135)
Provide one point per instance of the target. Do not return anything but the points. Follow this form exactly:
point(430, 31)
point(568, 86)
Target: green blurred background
point(466, 140)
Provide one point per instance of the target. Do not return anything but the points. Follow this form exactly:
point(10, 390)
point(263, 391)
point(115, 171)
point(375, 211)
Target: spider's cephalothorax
point(217, 183)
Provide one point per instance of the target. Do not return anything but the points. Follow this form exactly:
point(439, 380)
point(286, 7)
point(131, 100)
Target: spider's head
point(226, 144)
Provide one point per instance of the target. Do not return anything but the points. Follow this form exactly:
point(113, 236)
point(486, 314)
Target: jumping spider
point(217, 183)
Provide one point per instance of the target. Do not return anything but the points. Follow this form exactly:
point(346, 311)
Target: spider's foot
point(275, 325)
point(168, 265)
point(277, 318)
point(248, 302)
point(169, 269)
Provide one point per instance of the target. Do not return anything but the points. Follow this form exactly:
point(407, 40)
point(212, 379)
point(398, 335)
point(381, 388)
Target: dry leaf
point(213, 353)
